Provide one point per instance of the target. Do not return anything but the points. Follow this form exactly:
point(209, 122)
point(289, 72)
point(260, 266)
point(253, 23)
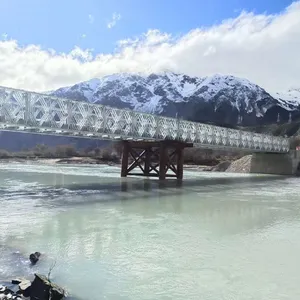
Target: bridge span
point(155, 143)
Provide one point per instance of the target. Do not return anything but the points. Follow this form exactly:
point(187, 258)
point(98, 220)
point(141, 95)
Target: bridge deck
point(43, 114)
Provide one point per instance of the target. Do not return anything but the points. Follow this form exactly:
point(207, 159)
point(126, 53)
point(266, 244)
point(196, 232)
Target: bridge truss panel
point(41, 113)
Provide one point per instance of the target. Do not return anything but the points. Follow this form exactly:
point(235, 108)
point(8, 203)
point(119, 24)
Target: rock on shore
point(41, 288)
point(242, 165)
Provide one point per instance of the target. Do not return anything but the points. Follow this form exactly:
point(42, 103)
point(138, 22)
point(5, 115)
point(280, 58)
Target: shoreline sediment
point(241, 165)
point(81, 161)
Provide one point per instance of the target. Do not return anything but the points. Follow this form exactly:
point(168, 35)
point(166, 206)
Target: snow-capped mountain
point(223, 100)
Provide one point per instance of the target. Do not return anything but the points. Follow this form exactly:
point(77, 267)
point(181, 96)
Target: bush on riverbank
point(63, 151)
point(41, 151)
point(113, 153)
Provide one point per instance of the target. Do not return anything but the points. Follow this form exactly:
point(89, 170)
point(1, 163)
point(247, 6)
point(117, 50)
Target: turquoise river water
point(215, 236)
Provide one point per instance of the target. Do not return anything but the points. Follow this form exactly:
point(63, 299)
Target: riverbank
point(241, 165)
point(110, 155)
point(80, 160)
point(24, 279)
point(52, 161)
point(39, 288)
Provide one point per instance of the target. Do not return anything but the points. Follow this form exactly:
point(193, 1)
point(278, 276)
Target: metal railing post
point(27, 109)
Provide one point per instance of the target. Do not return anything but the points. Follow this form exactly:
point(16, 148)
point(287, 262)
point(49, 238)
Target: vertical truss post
point(104, 119)
point(69, 115)
point(27, 109)
point(179, 152)
point(125, 156)
point(163, 161)
point(147, 161)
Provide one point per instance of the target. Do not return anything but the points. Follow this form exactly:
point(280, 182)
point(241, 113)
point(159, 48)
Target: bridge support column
point(125, 155)
point(153, 159)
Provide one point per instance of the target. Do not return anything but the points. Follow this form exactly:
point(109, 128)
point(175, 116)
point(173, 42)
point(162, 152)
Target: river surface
point(216, 236)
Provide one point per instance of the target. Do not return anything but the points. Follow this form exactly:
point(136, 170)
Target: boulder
point(25, 288)
point(42, 288)
point(17, 280)
point(34, 257)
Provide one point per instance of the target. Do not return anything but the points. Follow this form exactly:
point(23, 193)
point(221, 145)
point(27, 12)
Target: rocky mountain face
point(221, 100)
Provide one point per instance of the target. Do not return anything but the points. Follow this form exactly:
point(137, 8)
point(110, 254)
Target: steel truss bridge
point(25, 111)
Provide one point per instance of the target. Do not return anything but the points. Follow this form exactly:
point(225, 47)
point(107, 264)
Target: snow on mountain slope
point(291, 95)
point(288, 100)
point(218, 98)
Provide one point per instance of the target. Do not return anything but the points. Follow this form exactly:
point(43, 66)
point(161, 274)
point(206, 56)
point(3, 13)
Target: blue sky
point(62, 24)
point(254, 39)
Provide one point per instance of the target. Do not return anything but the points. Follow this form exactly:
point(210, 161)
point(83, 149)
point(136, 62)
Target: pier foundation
point(153, 159)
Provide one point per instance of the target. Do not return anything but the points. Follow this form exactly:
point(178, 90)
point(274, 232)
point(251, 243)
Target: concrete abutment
point(276, 163)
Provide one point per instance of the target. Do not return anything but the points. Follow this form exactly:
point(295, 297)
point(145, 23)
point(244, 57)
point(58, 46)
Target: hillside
point(221, 100)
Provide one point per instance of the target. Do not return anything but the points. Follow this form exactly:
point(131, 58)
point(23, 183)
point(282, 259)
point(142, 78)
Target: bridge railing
point(30, 110)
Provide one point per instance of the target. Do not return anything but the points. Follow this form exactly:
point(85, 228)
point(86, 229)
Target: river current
point(215, 236)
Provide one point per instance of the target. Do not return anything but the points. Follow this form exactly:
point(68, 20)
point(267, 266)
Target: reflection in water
point(207, 237)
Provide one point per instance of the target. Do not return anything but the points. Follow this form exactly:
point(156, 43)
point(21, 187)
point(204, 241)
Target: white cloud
point(83, 36)
point(263, 48)
point(81, 55)
point(91, 19)
point(115, 18)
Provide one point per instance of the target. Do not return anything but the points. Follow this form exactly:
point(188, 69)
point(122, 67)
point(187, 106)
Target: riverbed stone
point(6, 293)
point(41, 288)
point(34, 257)
point(25, 288)
point(17, 280)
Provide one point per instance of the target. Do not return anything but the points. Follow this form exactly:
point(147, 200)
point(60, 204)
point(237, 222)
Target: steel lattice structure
point(41, 113)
